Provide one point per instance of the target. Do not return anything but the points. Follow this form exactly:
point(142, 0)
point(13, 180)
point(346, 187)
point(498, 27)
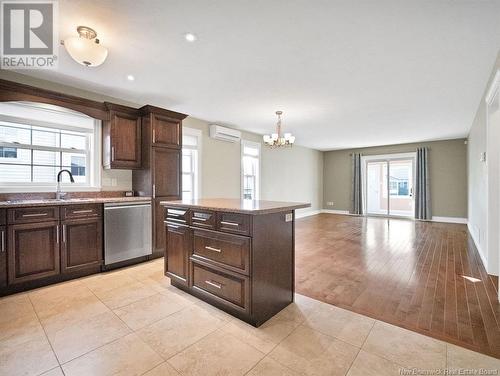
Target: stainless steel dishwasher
point(127, 232)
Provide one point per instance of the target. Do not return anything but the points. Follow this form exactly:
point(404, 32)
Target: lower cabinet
point(81, 245)
point(33, 251)
point(47, 244)
point(178, 244)
point(3, 256)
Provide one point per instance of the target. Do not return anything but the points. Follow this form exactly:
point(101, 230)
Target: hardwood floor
point(423, 276)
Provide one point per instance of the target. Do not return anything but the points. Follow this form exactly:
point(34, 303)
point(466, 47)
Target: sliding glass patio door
point(389, 185)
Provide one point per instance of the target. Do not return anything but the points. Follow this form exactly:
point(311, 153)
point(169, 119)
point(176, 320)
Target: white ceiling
point(345, 73)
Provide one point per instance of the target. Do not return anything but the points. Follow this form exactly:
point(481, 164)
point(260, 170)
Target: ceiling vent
point(225, 134)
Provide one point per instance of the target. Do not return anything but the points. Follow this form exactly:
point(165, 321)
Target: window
point(191, 146)
point(32, 151)
point(250, 170)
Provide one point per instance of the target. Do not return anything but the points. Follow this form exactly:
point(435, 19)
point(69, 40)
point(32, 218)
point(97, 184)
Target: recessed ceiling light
point(130, 77)
point(190, 37)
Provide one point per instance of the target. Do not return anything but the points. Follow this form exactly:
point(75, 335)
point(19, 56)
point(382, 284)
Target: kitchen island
point(237, 255)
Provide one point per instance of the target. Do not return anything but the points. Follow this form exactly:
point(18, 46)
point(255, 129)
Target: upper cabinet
point(166, 132)
point(166, 126)
point(122, 138)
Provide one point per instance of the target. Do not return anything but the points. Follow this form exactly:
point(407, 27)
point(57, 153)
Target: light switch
point(288, 217)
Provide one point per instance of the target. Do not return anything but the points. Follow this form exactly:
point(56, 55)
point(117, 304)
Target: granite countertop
point(69, 201)
point(238, 206)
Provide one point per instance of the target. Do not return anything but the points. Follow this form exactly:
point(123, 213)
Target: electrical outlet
point(330, 203)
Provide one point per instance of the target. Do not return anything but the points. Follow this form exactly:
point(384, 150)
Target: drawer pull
point(171, 225)
point(176, 212)
point(176, 219)
point(229, 223)
point(83, 211)
point(214, 284)
point(35, 215)
point(213, 249)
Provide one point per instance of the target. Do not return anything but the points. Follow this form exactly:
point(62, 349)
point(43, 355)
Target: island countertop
point(254, 207)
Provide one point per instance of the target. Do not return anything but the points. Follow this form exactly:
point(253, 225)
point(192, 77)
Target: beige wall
point(448, 174)
point(478, 180)
point(294, 174)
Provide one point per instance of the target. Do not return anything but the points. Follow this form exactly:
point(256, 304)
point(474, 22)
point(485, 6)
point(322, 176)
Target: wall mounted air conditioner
point(225, 134)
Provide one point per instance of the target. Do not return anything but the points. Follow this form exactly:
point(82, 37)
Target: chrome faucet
point(59, 194)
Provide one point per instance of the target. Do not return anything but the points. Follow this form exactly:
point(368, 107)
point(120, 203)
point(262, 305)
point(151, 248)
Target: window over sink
point(37, 141)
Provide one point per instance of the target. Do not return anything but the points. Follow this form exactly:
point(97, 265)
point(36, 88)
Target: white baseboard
point(484, 259)
point(329, 211)
point(434, 219)
point(306, 213)
point(450, 220)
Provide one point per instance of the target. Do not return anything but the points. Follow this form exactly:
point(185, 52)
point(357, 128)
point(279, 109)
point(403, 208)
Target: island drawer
point(233, 223)
point(229, 288)
point(177, 215)
point(31, 215)
point(203, 218)
point(225, 250)
point(81, 211)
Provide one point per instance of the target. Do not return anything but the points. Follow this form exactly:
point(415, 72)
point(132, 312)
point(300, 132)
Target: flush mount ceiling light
point(86, 49)
point(130, 77)
point(276, 139)
point(190, 37)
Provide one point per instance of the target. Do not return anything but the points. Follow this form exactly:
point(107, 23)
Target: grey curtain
point(357, 190)
point(422, 186)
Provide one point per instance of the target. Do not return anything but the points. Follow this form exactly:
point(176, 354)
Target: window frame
point(92, 152)
point(186, 131)
point(257, 146)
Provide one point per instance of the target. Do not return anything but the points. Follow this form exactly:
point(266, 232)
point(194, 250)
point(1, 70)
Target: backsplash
point(52, 195)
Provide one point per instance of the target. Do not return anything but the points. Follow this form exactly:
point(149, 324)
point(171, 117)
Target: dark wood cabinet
point(241, 263)
point(33, 251)
point(160, 176)
point(122, 138)
point(166, 131)
point(37, 248)
point(159, 228)
point(167, 173)
point(3, 256)
point(178, 245)
point(81, 245)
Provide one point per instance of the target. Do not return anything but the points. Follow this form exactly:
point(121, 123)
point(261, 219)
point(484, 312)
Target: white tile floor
point(132, 322)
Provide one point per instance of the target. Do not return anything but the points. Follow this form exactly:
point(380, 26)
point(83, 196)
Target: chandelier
point(277, 139)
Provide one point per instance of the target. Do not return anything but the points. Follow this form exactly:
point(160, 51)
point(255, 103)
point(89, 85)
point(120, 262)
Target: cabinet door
point(81, 245)
point(159, 228)
point(167, 173)
point(33, 251)
point(166, 132)
point(125, 140)
point(178, 244)
point(3, 256)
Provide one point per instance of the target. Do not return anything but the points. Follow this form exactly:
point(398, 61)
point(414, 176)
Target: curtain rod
point(398, 152)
